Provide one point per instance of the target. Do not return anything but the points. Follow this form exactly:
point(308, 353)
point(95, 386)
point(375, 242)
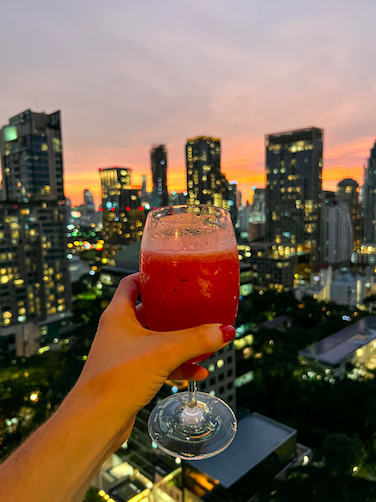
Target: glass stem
point(192, 388)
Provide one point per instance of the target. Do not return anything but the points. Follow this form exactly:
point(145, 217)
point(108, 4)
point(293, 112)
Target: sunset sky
point(129, 74)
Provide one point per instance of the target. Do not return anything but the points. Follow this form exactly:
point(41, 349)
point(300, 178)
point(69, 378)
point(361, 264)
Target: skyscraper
point(123, 215)
point(88, 198)
point(87, 209)
point(206, 184)
point(143, 186)
point(369, 202)
point(34, 278)
point(159, 173)
point(337, 234)
point(294, 189)
point(258, 205)
point(204, 177)
point(31, 157)
point(348, 193)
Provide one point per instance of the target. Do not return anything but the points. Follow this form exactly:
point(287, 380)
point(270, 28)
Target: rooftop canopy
point(337, 347)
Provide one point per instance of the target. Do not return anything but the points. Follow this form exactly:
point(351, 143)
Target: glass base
point(192, 433)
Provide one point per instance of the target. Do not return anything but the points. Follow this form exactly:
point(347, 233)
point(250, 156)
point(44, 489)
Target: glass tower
point(206, 184)
point(294, 189)
point(159, 173)
point(123, 214)
point(369, 202)
point(31, 157)
point(348, 193)
point(35, 298)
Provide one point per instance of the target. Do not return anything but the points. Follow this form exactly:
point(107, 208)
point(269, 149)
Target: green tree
point(311, 484)
point(92, 495)
point(341, 453)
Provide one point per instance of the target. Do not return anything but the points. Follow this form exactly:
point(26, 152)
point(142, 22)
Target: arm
point(126, 367)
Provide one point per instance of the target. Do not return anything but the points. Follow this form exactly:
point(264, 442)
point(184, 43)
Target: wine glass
point(189, 275)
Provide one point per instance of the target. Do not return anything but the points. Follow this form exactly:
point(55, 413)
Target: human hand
point(128, 364)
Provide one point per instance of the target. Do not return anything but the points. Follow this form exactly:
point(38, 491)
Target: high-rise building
point(35, 297)
point(87, 209)
point(244, 214)
point(328, 196)
point(159, 173)
point(88, 198)
point(31, 157)
point(143, 186)
point(123, 214)
point(337, 234)
point(206, 184)
point(258, 206)
point(268, 267)
point(294, 189)
point(177, 198)
point(369, 201)
point(239, 197)
point(348, 193)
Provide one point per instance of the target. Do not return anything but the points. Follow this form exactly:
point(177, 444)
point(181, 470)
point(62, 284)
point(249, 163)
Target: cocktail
point(189, 275)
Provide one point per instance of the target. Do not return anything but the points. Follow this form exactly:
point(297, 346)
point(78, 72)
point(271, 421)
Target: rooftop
point(295, 135)
point(337, 347)
point(256, 439)
point(348, 182)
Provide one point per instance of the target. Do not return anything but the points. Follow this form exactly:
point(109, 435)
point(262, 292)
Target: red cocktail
point(183, 290)
point(189, 275)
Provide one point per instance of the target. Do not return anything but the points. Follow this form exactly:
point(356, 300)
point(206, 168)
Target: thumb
point(180, 346)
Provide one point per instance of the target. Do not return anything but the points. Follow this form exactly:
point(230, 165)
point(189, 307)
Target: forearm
point(58, 462)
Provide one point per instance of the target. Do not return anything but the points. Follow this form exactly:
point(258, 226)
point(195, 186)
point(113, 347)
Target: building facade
point(294, 162)
point(337, 234)
point(348, 193)
point(159, 173)
point(206, 184)
point(266, 268)
point(31, 158)
point(369, 198)
point(258, 213)
point(348, 290)
point(123, 214)
point(35, 296)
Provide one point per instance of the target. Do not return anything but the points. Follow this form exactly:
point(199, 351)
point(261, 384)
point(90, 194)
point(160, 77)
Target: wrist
point(99, 406)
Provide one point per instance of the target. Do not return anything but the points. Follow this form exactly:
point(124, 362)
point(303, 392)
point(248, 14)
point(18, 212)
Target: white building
point(337, 233)
point(348, 290)
point(244, 213)
point(355, 344)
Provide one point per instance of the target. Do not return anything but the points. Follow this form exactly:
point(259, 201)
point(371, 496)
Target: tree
point(342, 453)
point(311, 484)
point(92, 495)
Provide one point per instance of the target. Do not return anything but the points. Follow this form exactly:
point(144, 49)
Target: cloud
point(129, 74)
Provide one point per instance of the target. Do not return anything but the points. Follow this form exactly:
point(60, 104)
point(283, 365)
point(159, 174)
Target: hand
point(129, 363)
point(126, 367)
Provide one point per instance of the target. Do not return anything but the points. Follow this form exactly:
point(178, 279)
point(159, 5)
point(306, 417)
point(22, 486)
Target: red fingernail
point(228, 332)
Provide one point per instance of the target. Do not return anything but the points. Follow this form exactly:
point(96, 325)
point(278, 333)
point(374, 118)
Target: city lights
point(305, 321)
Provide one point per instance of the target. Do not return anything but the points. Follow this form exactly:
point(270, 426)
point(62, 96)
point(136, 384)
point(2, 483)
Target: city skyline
point(127, 78)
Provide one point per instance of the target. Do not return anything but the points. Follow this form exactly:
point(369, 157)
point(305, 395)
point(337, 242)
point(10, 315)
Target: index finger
point(127, 292)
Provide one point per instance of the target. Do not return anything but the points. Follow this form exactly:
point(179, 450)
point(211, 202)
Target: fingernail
point(228, 332)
